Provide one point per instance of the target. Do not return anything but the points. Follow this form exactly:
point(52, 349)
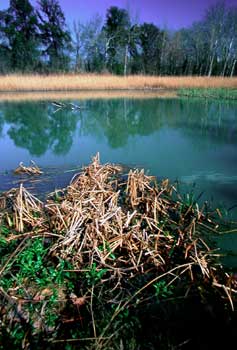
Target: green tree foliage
point(39, 40)
point(94, 43)
point(19, 35)
point(54, 35)
point(151, 45)
point(117, 28)
point(37, 128)
point(4, 49)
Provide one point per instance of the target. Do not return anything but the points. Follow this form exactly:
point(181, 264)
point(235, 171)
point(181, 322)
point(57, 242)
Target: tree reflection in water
point(36, 127)
point(1, 122)
point(203, 121)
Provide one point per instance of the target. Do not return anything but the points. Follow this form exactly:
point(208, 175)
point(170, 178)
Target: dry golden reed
point(30, 170)
point(75, 82)
point(123, 237)
point(85, 95)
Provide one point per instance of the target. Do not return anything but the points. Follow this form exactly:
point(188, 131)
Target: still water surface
point(193, 141)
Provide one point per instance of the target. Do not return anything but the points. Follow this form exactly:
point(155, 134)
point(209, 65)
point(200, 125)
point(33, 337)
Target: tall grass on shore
point(85, 95)
point(73, 82)
point(109, 263)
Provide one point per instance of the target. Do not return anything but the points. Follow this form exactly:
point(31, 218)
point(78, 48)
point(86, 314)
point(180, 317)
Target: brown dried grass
point(127, 227)
point(85, 95)
point(25, 211)
point(74, 82)
point(98, 215)
point(30, 170)
point(98, 224)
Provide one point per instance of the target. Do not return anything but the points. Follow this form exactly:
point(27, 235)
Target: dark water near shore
point(192, 141)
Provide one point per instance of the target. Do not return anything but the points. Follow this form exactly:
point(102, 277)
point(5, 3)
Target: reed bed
point(73, 82)
point(85, 95)
point(100, 253)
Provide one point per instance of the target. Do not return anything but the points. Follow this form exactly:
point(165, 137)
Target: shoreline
point(162, 93)
point(90, 86)
point(86, 94)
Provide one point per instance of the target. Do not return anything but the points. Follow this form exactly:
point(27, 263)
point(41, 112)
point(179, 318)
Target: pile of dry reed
point(30, 170)
point(128, 230)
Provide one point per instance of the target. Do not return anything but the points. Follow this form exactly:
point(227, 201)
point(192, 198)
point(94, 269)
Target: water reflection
point(1, 122)
point(119, 119)
point(190, 140)
point(206, 122)
point(37, 128)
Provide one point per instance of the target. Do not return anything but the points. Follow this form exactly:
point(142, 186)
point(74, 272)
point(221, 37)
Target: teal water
point(189, 140)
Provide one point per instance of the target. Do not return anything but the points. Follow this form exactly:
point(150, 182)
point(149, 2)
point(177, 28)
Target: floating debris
point(70, 105)
point(30, 170)
point(59, 104)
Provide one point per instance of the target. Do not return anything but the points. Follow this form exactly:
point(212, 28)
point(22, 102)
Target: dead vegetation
point(125, 243)
point(30, 170)
point(85, 82)
point(85, 95)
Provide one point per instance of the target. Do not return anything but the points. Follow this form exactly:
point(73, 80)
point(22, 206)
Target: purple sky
point(170, 13)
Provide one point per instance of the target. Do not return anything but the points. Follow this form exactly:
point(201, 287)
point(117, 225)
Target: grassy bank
point(111, 262)
point(218, 93)
point(107, 82)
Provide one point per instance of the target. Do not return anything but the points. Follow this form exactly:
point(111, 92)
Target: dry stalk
point(30, 170)
point(128, 228)
point(25, 210)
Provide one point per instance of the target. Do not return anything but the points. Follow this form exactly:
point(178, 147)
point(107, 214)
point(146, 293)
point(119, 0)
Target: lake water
point(189, 140)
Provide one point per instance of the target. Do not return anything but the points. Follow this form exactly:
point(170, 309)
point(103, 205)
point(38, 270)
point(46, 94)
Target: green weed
point(163, 290)
point(217, 93)
point(94, 275)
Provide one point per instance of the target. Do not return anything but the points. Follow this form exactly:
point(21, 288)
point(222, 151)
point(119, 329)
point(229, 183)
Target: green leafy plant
point(108, 249)
point(94, 275)
point(163, 290)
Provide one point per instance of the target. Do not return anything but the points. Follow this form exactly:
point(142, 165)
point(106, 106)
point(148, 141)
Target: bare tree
point(229, 40)
point(77, 45)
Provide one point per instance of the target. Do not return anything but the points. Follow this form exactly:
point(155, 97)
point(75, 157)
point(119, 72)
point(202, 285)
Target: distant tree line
point(39, 40)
